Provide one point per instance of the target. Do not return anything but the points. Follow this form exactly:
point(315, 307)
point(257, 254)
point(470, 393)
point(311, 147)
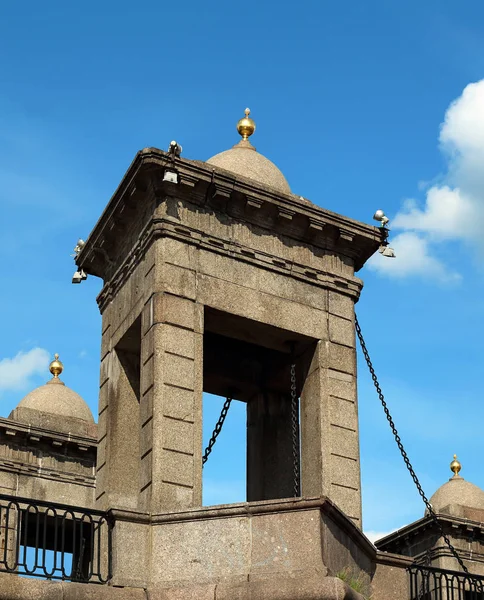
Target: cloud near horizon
point(453, 211)
point(16, 372)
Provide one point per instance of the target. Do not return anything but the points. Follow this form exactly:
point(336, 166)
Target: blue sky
point(362, 106)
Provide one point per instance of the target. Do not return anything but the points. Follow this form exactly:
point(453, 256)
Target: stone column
point(171, 403)
point(329, 421)
point(118, 455)
point(270, 468)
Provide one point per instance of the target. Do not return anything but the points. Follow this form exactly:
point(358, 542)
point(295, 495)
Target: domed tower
point(459, 506)
point(48, 445)
point(218, 279)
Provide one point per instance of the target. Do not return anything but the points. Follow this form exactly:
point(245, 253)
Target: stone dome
point(244, 160)
point(56, 398)
point(457, 492)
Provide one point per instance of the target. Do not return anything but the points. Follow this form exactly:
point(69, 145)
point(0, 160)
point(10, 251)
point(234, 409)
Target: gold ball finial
point(246, 125)
point(56, 367)
point(455, 466)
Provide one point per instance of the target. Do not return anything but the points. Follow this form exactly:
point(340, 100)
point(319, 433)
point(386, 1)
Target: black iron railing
point(55, 541)
point(429, 583)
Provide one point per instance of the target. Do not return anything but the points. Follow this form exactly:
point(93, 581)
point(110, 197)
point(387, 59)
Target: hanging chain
point(295, 430)
point(402, 449)
point(217, 430)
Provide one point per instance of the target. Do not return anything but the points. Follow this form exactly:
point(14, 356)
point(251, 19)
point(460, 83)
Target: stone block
point(348, 500)
point(341, 385)
point(147, 375)
point(341, 331)
point(344, 442)
point(179, 404)
point(172, 309)
point(212, 549)
point(146, 437)
point(179, 371)
point(343, 413)
point(177, 468)
point(179, 281)
point(262, 307)
point(131, 554)
point(342, 358)
point(179, 341)
point(341, 305)
point(283, 542)
point(345, 471)
point(146, 406)
point(178, 436)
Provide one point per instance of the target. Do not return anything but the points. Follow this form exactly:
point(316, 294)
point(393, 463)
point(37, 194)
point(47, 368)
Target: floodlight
point(381, 217)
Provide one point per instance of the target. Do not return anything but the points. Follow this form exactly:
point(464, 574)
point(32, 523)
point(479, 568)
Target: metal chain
point(217, 430)
point(295, 430)
point(402, 449)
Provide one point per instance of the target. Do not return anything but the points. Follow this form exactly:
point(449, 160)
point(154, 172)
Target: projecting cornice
point(287, 216)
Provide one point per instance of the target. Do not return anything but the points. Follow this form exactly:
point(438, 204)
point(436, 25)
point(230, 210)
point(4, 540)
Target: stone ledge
point(315, 587)
point(13, 587)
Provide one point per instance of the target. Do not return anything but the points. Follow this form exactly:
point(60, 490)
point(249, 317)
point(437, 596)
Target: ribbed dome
point(56, 398)
point(457, 491)
point(244, 160)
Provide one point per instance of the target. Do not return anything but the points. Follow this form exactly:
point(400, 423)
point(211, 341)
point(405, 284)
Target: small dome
point(247, 162)
point(457, 491)
point(243, 159)
point(56, 398)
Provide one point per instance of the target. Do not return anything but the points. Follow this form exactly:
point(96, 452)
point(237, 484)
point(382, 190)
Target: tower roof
point(53, 398)
point(457, 492)
point(243, 159)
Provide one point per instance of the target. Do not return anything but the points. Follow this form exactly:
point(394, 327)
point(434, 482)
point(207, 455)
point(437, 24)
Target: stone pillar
point(171, 403)
point(118, 457)
point(329, 419)
point(270, 468)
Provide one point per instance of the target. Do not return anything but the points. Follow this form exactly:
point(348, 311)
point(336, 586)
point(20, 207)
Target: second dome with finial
point(457, 492)
point(56, 398)
point(244, 160)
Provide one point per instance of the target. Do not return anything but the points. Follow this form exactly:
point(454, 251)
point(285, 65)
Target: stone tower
point(217, 279)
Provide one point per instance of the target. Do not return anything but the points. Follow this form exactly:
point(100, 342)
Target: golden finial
point(455, 466)
point(56, 367)
point(246, 125)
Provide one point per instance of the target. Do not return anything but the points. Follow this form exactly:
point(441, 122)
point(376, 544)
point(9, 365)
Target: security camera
point(79, 276)
point(381, 217)
point(387, 251)
point(175, 149)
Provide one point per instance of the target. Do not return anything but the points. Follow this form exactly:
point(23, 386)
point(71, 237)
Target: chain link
point(402, 449)
point(217, 430)
point(295, 430)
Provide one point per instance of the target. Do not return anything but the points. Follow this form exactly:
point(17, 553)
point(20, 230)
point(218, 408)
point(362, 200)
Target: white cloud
point(413, 257)
point(373, 536)
point(15, 373)
point(452, 210)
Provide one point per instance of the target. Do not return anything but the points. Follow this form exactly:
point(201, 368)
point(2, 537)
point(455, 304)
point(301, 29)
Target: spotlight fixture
point(170, 175)
point(79, 276)
point(79, 246)
point(387, 251)
point(175, 149)
point(381, 217)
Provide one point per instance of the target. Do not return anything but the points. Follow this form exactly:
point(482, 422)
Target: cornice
point(34, 435)
point(202, 184)
point(164, 227)
point(461, 527)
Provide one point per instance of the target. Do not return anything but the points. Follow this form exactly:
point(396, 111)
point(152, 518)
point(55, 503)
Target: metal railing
point(55, 541)
point(429, 583)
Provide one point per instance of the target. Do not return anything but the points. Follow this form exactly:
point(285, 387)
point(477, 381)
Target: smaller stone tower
point(48, 445)
point(459, 506)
